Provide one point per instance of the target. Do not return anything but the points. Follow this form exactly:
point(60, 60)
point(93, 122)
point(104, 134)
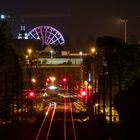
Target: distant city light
point(29, 51)
point(93, 50)
point(33, 80)
point(52, 87)
point(2, 16)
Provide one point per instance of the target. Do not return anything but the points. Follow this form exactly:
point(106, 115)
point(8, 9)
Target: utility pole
point(110, 95)
point(104, 83)
point(124, 21)
point(6, 96)
point(30, 66)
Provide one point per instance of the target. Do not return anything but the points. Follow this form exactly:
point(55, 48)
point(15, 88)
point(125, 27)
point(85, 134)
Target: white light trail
point(43, 122)
point(51, 122)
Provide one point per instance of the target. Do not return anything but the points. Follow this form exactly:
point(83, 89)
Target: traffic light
point(47, 79)
point(64, 79)
point(83, 93)
point(31, 95)
point(64, 83)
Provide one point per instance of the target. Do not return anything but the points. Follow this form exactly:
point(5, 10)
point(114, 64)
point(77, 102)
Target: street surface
point(58, 116)
point(58, 121)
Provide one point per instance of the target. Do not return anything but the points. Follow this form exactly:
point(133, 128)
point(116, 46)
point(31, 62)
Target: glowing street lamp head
point(29, 51)
point(52, 78)
point(93, 50)
point(33, 80)
point(51, 51)
point(85, 83)
point(81, 53)
point(123, 20)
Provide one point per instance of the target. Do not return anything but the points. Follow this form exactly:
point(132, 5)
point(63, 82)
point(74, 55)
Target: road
point(58, 121)
point(54, 118)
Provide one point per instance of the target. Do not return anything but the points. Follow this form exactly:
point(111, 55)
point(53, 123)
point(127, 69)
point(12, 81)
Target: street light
point(33, 80)
point(81, 54)
point(2, 16)
point(51, 53)
point(29, 51)
point(125, 22)
point(52, 78)
point(93, 50)
point(91, 77)
point(29, 66)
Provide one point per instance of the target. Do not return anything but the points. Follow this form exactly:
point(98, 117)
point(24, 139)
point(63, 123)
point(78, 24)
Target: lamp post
point(52, 78)
point(124, 21)
point(93, 50)
point(51, 55)
point(90, 83)
point(29, 52)
point(81, 67)
point(33, 80)
point(30, 66)
point(81, 54)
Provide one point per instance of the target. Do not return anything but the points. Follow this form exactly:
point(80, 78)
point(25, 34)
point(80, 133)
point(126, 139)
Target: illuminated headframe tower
point(22, 34)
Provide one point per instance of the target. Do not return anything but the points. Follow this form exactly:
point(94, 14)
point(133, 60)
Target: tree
point(10, 71)
point(123, 58)
point(106, 48)
point(127, 104)
point(123, 62)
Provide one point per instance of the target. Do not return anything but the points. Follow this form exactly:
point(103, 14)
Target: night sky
point(75, 19)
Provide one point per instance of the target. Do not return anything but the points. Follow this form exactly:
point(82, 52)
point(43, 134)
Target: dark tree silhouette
point(127, 103)
point(123, 61)
point(10, 73)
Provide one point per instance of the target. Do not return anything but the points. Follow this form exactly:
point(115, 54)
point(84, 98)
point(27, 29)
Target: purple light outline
point(44, 38)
